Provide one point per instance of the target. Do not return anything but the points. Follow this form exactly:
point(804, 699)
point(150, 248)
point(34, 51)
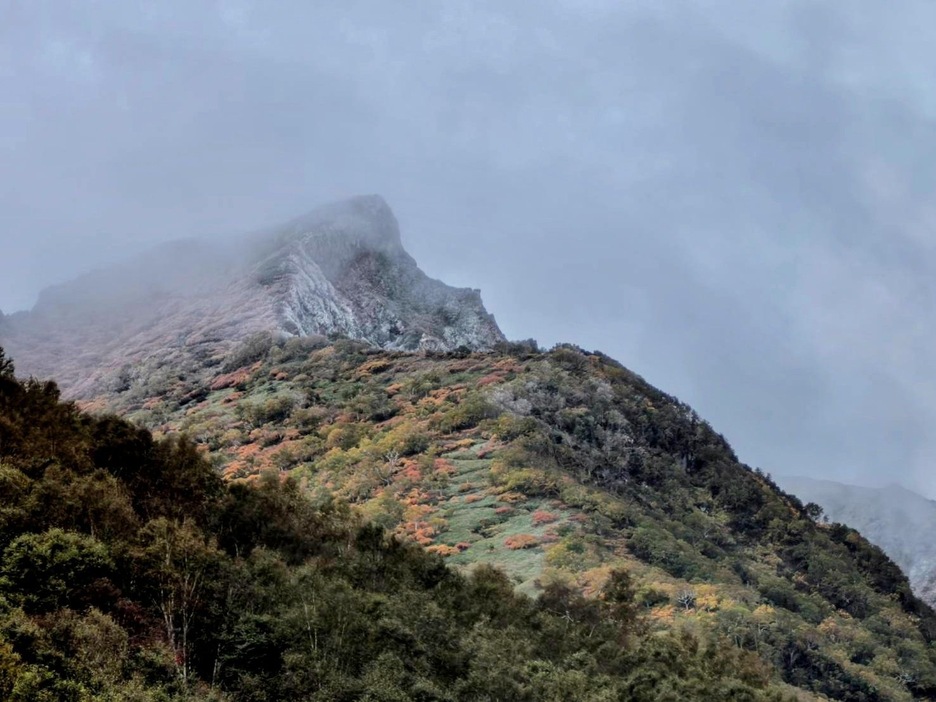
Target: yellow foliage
point(707, 598)
point(764, 613)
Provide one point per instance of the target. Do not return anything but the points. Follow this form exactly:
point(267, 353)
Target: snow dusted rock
point(341, 269)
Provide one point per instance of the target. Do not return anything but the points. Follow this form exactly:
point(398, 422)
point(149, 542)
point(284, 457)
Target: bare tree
point(686, 598)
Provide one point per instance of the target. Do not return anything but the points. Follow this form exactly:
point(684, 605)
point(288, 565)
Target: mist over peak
point(340, 269)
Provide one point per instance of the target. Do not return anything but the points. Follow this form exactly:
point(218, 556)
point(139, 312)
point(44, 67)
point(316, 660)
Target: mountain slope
point(898, 520)
point(340, 270)
point(561, 468)
point(558, 468)
point(129, 571)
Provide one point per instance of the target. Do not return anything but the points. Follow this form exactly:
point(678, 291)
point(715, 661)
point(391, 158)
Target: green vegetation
point(130, 571)
point(560, 469)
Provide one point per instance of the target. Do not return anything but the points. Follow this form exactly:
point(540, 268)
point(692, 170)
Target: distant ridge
point(898, 520)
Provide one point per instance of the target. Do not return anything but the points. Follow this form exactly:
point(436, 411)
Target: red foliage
point(229, 380)
point(440, 465)
point(490, 379)
point(411, 471)
point(550, 537)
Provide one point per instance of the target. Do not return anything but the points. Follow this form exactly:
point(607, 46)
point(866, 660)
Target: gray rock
point(340, 270)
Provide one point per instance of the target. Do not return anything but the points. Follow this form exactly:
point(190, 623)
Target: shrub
point(253, 349)
point(543, 517)
point(55, 569)
point(521, 541)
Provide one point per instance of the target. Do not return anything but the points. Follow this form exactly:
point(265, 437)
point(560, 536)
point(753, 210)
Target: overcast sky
point(735, 199)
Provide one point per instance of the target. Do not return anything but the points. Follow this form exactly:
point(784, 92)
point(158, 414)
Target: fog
point(733, 199)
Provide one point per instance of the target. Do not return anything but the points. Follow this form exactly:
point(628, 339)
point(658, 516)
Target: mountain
point(898, 520)
point(611, 507)
point(340, 270)
point(560, 468)
point(129, 571)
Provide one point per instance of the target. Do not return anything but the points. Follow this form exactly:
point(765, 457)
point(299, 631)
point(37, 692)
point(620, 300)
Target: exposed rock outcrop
point(340, 270)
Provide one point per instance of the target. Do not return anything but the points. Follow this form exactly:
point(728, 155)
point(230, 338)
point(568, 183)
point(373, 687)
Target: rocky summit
point(340, 270)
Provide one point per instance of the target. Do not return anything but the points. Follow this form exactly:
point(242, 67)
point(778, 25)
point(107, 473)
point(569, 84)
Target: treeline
point(130, 571)
point(690, 508)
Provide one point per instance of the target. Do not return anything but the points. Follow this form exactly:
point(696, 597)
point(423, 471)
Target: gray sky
point(735, 199)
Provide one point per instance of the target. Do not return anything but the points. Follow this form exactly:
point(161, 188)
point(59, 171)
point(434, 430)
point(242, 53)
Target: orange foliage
point(92, 406)
point(543, 517)
point(411, 471)
point(503, 510)
point(422, 532)
point(229, 380)
point(508, 365)
point(377, 365)
point(474, 497)
point(490, 380)
point(414, 512)
point(247, 450)
point(521, 541)
point(461, 366)
point(512, 497)
point(443, 467)
point(444, 550)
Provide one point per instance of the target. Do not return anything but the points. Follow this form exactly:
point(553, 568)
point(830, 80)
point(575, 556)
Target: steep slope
point(341, 270)
point(559, 468)
point(129, 571)
point(898, 520)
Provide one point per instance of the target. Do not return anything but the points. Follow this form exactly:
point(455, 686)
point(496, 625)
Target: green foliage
point(128, 571)
point(54, 570)
point(276, 589)
point(469, 412)
point(254, 349)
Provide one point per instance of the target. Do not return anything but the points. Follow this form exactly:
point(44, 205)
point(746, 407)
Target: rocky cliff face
point(340, 270)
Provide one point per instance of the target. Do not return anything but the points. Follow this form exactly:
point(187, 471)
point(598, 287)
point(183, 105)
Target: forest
point(320, 520)
point(130, 571)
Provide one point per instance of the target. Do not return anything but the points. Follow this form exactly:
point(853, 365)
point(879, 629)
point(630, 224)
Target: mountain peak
point(365, 220)
point(341, 269)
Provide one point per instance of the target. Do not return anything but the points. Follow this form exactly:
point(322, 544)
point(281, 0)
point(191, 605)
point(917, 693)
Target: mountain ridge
point(893, 517)
point(340, 269)
point(560, 468)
